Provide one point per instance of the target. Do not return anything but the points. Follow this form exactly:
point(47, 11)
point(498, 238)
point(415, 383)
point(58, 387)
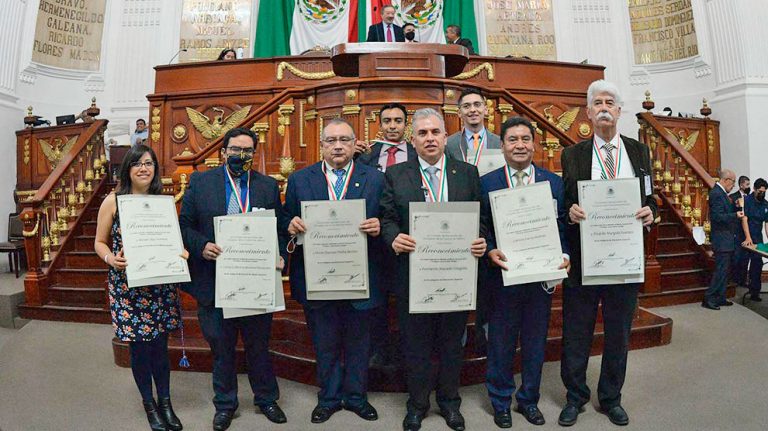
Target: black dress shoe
point(453, 419)
point(412, 421)
point(156, 421)
point(725, 303)
point(502, 418)
point(365, 411)
point(617, 415)
point(321, 414)
point(755, 297)
point(532, 414)
point(166, 411)
point(569, 415)
point(711, 306)
point(222, 420)
point(274, 413)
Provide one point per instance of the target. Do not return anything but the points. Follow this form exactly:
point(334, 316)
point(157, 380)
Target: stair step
point(88, 227)
point(83, 259)
point(65, 313)
point(84, 242)
point(81, 276)
point(684, 278)
point(78, 296)
point(669, 229)
point(675, 244)
point(679, 260)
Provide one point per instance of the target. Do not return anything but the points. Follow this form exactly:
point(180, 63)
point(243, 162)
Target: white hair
point(603, 86)
point(425, 113)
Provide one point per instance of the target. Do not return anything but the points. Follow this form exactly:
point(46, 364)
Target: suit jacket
point(456, 147)
point(376, 33)
point(467, 44)
point(309, 184)
point(724, 221)
point(576, 162)
point(402, 185)
point(372, 158)
point(735, 196)
point(205, 199)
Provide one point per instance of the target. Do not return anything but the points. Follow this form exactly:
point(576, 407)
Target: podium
point(388, 59)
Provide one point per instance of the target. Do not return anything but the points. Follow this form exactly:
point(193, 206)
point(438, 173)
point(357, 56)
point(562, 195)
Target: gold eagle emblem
point(564, 120)
point(686, 142)
point(55, 152)
point(212, 129)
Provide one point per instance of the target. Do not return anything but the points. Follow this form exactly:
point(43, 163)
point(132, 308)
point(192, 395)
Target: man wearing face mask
point(740, 256)
point(231, 189)
point(410, 32)
point(756, 212)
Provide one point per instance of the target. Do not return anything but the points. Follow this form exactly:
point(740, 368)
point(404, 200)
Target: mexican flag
point(290, 27)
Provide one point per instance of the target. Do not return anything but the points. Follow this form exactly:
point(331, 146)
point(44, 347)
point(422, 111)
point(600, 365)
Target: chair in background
point(15, 244)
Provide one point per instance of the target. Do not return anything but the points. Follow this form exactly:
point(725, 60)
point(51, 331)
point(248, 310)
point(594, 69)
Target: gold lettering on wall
point(520, 28)
point(68, 34)
point(662, 30)
point(207, 27)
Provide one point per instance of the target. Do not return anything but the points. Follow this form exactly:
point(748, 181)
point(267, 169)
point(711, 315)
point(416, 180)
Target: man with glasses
point(724, 218)
point(469, 145)
point(340, 328)
point(231, 189)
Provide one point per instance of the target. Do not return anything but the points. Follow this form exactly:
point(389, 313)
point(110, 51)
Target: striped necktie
point(609, 162)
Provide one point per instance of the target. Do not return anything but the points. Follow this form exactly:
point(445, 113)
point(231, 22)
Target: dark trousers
point(341, 336)
point(516, 311)
point(380, 338)
point(423, 334)
point(221, 334)
point(755, 271)
point(715, 294)
point(739, 264)
point(579, 313)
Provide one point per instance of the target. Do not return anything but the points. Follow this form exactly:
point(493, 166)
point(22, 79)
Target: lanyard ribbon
point(480, 146)
point(510, 183)
point(601, 161)
point(332, 190)
point(440, 195)
point(243, 204)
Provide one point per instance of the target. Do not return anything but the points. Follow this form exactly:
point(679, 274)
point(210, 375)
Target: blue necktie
point(339, 186)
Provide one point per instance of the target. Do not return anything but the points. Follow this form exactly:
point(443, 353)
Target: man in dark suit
point(423, 333)
point(453, 35)
point(724, 218)
point(230, 189)
point(386, 30)
point(740, 256)
point(393, 149)
point(520, 311)
point(409, 30)
point(607, 156)
point(755, 221)
point(340, 328)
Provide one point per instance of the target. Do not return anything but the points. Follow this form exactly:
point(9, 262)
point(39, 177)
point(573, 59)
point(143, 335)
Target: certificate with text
point(335, 250)
point(612, 249)
point(245, 270)
point(152, 242)
point(525, 225)
point(443, 272)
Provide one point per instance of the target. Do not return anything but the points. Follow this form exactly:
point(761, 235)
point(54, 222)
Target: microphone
point(177, 54)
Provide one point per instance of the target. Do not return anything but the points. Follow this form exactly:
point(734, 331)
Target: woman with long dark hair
point(142, 316)
point(227, 54)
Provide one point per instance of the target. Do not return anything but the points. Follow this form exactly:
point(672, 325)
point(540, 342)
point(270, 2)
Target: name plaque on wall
point(662, 30)
point(520, 28)
point(207, 27)
point(68, 34)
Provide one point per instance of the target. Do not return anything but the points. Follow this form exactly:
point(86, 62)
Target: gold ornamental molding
point(488, 67)
point(33, 232)
point(505, 109)
point(491, 116)
point(155, 124)
point(686, 142)
point(565, 120)
point(710, 141)
point(54, 152)
point(283, 65)
point(182, 188)
point(261, 131)
point(213, 128)
point(179, 132)
point(350, 109)
point(284, 117)
point(26, 151)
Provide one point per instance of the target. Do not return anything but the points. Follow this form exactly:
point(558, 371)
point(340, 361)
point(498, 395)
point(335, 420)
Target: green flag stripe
point(462, 13)
point(273, 29)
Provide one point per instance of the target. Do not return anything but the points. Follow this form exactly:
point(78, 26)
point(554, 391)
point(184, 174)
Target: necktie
point(233, 206)
point(433, 180)
point(391, 155)
point(476, 140)
point(339, 186)
point(609, 162)
point(389, 33)
point(519, 177)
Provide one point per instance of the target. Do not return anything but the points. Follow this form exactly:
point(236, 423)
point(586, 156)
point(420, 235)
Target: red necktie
point(389, 33)
point(391, 156)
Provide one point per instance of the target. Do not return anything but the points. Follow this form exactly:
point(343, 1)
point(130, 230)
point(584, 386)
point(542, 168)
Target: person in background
point(409, 29)
point(453, 35)
point(386, 30)
point(142, 316)
point(140, 135)
point(740, 256)
point(756, 213)
point(227, 54)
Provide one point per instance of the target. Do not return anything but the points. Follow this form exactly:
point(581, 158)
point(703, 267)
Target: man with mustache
point(756, 212)
point(386, 30)
point(432, 177)
point(606, 156)
point(340, 328)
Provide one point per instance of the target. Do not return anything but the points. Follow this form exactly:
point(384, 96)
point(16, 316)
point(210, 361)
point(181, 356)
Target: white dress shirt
point(625, 165)
point(439, 165)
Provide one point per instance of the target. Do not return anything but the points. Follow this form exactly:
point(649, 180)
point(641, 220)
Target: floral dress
point(140, 313)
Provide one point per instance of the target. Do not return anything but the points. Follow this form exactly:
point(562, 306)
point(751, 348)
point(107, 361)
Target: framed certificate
point(335, 250)
point(152, 242)
point(526, 231)
point(612, 249)
point(443, 272)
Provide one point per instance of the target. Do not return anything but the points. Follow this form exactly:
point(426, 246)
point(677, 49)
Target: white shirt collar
point(329, 168)
point(424, 164)
point(616, 141)
point(527, 169)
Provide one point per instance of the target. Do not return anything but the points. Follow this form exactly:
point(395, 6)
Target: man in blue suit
point(231, 189)
point(340, 328)
point(725, 220)
point(523, 310)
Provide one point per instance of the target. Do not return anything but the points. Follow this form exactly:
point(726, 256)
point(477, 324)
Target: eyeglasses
point(345, 140)
point(240, 151)
point(148, 164)
point(468, 106)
